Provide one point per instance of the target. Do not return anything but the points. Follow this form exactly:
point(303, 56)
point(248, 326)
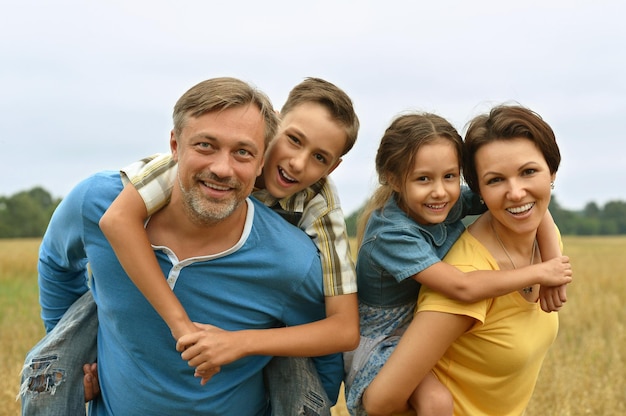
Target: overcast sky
point(90, 85)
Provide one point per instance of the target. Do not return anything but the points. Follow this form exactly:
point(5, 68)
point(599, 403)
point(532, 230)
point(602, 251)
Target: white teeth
point(216, 187)
point(433, 206)
point(284, 174)
point(518, 210)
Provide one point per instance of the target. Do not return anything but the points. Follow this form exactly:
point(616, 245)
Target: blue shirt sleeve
point(62, 262)
point(62, 266)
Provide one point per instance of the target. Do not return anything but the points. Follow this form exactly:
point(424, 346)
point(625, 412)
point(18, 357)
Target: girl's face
point(433, 185)
point(514, 181)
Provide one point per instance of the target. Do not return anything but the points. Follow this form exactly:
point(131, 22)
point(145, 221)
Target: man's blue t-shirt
point(271, 278)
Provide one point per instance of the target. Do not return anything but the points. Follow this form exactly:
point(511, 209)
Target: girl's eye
point(450, 176)
point(421, 178)
point(320, 158)
point(293, 139)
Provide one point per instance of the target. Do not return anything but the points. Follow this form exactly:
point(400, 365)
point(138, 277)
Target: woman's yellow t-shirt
point(491, 369)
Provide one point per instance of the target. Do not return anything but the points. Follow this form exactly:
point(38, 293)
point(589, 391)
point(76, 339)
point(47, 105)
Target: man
point(224, 255)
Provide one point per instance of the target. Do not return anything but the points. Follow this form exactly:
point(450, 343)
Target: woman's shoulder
point(468, 253)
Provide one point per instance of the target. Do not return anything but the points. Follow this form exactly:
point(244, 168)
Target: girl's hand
point(552, 298)
point(556, 272)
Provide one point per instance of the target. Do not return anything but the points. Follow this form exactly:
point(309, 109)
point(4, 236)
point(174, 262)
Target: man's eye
point(243, 152)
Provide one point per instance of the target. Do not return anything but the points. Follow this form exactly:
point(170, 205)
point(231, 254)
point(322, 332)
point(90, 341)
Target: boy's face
point(308, 147)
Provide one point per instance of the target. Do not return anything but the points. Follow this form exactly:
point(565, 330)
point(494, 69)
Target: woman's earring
point(552, 185)
point(482, 202)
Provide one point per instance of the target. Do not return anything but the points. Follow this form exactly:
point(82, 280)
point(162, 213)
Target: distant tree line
point(27, 213)
point(592, 220)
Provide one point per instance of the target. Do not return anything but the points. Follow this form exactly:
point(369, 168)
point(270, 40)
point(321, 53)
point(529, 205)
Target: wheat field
point(584, 372)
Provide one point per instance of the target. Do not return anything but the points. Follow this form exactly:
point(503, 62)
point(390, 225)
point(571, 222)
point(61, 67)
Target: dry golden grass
point(20, 325)
point(584, 372)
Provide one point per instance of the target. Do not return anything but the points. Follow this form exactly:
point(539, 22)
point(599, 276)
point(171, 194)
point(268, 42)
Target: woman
point(487, 353)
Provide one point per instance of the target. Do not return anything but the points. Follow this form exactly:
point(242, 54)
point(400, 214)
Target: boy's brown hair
point(333, 98)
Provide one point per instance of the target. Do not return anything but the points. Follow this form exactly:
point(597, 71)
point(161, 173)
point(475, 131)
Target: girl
point(409, 224)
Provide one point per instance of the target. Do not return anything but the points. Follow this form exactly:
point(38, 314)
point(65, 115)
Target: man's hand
point(90, 381)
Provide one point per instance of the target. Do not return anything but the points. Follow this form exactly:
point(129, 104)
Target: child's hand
point(209, 349)
point(206, 374)
point(552, 298)
point(183, 329)
point(556, 272)
point(553, 293)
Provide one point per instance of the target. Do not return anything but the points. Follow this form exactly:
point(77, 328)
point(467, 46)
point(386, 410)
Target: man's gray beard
point(196, 208)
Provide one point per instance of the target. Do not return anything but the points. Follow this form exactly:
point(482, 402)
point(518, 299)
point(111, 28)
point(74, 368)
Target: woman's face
point(514, 181)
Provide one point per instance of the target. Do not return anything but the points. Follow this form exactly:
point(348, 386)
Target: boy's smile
point(307, 148)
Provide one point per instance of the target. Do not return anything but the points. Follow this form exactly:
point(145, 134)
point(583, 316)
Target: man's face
point(307, 147)
point(219, 156)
